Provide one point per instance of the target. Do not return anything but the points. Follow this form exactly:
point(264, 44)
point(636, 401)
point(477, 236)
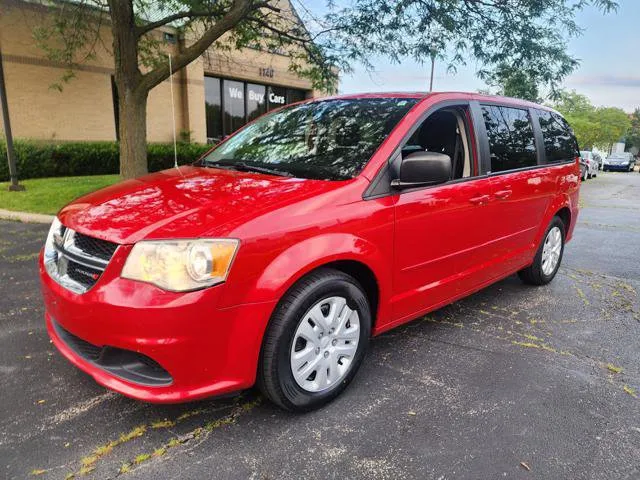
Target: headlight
point(49, 251)
point(181, 265)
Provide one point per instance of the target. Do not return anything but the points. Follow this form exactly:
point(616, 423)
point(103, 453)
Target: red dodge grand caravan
point(275, 257)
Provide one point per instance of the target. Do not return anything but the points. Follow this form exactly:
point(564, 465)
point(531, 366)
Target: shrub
point(35, 159)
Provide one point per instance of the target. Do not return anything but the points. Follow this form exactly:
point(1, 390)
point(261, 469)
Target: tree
point(593, 126)
point(633, 135)
point(511, 81)
point(527, 33)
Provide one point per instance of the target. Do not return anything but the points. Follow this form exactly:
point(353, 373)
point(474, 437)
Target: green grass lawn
point(48, 195)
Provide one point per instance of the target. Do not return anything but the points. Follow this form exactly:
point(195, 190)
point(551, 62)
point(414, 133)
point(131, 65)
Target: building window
point(277, 97)
point(294, 95)
point(233, 106)
point(230, 104)
point(256, 101)
point(213, 109)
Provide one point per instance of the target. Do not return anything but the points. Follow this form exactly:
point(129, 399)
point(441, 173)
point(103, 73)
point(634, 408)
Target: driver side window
point(445, 131)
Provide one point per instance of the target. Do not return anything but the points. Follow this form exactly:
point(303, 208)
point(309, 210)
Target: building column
point(193, 98)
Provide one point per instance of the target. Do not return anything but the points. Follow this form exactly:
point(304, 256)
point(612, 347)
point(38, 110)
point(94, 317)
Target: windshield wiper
point(245, 167)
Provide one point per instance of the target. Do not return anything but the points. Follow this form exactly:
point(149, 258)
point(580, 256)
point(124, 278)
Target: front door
point(443, 233)
point(442, 240)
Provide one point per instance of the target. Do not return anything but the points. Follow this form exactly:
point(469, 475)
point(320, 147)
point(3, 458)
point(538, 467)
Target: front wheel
point(548, 257)
point(315, 342)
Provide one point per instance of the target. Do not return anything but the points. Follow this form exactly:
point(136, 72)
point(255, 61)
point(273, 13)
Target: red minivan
point(276, 256)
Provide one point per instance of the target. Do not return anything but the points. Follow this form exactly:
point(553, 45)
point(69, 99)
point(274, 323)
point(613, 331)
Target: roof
point(443, 95)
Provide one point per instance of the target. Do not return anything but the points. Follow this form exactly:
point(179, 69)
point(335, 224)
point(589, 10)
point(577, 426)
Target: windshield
point(327, 139)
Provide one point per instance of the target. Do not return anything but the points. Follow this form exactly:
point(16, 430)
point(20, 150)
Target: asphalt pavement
point(513, 382)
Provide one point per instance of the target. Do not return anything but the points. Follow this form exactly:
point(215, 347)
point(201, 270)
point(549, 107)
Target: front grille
point(94, 246)
point(126, 364)
point(77, 260)
point(82, 274)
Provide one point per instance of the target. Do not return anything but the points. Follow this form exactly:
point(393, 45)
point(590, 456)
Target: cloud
point(605, 80)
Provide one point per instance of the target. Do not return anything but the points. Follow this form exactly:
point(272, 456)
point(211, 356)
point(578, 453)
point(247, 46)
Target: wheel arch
point(363, 274)
point(343, 252)
point(563, 206)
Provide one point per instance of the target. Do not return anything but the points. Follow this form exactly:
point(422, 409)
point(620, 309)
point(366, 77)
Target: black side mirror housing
point(422, 169)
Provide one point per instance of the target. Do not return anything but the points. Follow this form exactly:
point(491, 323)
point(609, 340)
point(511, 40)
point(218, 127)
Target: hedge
point(45, 159)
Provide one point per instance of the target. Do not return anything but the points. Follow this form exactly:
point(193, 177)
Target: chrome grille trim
point(64, 260)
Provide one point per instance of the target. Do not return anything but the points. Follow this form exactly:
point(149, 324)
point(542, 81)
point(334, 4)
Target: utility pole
point(433, 63)
point(13, 173)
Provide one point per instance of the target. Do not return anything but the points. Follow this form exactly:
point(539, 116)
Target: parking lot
point(512, 382)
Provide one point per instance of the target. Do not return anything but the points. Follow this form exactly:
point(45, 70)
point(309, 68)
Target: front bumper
point(619, 168)
point(205, 350)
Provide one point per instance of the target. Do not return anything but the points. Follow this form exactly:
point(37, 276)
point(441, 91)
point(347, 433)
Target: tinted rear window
point(559, 143)
point(511, 141)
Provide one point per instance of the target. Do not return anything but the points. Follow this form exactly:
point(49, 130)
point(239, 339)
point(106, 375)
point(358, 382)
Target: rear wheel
point(548, 257)
point(315, 342)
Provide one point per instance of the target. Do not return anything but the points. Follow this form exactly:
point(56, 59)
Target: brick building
point(214, 95)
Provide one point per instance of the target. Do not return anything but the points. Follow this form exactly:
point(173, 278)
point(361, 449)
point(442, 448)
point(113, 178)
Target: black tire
point(275, 378)
point(533, 274)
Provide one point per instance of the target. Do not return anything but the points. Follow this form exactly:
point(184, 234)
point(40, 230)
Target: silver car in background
point(590, 161)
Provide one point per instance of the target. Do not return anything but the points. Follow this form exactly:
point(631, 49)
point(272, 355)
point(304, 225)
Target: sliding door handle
point(503, 194)
point(481, 200)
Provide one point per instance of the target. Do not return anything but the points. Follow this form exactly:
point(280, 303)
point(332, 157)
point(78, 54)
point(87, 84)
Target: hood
point(183, 203)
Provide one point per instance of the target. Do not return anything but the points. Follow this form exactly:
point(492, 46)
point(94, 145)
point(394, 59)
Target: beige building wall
point(84, 109)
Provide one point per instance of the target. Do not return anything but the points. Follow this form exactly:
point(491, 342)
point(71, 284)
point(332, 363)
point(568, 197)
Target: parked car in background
point(275, 257)
point(622, 162)
point(591, 163)
point(598, 159)
point(584, 170)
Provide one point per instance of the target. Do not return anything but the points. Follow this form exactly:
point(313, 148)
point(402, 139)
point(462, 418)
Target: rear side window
point(559, 142)
point(511, 141)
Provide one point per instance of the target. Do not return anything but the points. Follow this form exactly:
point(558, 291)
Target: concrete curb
point(25, 217)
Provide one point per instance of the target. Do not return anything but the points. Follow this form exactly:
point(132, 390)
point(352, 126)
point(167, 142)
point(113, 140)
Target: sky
point(609, 71)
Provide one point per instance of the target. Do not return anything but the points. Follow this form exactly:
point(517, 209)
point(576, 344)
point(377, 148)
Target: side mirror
point(423, 168)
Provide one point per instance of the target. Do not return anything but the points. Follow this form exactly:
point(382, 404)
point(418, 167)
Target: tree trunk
point(132, 98)
point(132, 130)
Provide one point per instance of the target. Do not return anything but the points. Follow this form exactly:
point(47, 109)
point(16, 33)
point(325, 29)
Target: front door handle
point(481, 200)
point(503, 194)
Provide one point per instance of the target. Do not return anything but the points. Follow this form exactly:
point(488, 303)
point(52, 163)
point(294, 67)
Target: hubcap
point(325, 344)
point(551, 251)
